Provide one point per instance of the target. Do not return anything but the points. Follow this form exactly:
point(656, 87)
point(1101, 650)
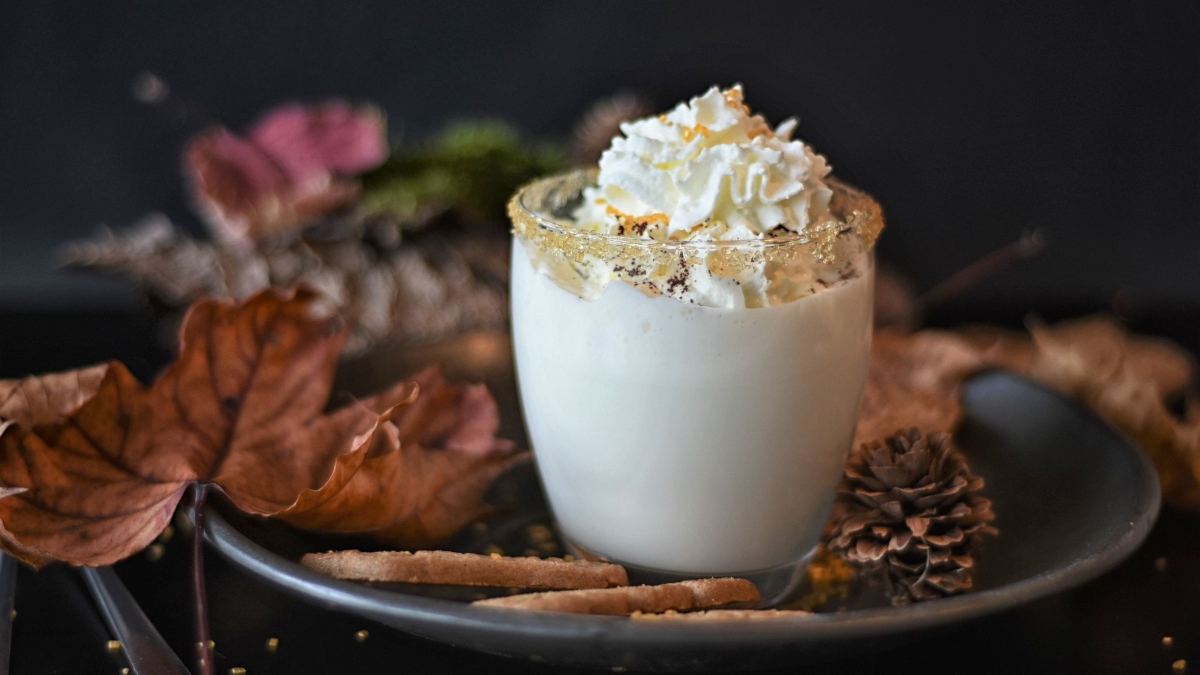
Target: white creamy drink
point(691, 340)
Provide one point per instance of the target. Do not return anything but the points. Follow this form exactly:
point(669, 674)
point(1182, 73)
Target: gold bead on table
point(1180, 666)
point(272, 644)
point(1167, 641)
point(361, 636)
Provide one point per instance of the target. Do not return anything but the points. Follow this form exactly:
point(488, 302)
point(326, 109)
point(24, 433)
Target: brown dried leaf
point(435, 457)
point(36, 401)
point(1127, 379)
point(913, 380)
point(1000, 347)
point(241, 409)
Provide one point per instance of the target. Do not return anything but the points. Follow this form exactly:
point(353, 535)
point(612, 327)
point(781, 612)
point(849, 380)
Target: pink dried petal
point(478, 421)
point(231, 178)
point(308, 142)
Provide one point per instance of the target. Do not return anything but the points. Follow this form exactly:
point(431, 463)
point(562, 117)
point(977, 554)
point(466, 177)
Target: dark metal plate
point(1073, 498)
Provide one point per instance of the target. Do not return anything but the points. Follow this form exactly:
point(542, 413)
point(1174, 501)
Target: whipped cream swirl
point(707, 170)
point(673, 194)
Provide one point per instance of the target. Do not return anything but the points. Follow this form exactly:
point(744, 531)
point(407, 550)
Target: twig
point(1029, 245)
point(204, 658)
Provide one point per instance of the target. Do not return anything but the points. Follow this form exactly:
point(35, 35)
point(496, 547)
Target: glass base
point(777, 585)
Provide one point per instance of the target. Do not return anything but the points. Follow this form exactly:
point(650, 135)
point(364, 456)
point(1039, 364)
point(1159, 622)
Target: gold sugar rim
point(856, 211)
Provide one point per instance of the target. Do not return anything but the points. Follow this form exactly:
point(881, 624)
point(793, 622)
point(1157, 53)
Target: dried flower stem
point(204, 654)
point(1029, 245)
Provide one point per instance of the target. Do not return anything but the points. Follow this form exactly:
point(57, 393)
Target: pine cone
point(911, 506)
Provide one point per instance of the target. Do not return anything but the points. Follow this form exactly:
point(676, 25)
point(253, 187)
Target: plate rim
point(431, 617)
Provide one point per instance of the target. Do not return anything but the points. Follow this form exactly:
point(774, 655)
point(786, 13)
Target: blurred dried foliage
point(411, 242)
point(423, 290)
point(1143, 386)
point(294, 166)
point(466, 174)
point(419, 253)
point(914, 380)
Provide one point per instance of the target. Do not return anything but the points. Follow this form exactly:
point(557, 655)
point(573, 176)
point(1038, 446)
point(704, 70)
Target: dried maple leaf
point(436, 456)
point(293, 167)
point(92, 463)
point(913, 380)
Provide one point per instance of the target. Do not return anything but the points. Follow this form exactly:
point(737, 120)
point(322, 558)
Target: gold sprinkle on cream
point(113, 645)
point(495, 555)
point(1179, 666)
point(493, 550)
point(568, 558)
point(272, 644)
point(361, 636)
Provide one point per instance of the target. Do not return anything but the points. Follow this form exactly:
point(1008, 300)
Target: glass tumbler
point(683, 440)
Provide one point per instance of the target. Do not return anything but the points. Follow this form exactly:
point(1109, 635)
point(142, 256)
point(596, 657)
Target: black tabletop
point(1119, 623)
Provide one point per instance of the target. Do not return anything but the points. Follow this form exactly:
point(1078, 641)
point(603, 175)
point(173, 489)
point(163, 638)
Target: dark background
point(970, 122)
